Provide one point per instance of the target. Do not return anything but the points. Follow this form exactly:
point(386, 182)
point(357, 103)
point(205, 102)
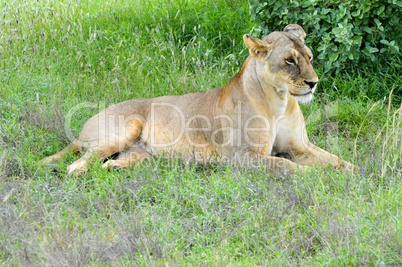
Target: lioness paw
point(115, 164)
point(78, 167)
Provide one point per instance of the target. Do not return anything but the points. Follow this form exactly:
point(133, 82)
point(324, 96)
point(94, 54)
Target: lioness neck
point(248, 85)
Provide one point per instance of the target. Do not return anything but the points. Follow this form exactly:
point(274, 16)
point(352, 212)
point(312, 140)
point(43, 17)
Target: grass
point(57, 57)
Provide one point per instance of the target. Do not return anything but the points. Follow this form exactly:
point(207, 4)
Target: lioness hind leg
point(117, 142)
point(129, 156)
point(80, 165)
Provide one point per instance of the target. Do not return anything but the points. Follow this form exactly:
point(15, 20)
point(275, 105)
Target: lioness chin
point(249, 121)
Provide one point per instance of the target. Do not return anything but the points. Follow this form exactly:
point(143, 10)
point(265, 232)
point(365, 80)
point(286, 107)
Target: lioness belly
point(186, 143)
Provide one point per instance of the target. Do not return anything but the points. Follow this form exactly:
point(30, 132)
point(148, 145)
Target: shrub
point(344, 34)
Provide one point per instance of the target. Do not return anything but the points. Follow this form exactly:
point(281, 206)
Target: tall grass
point(60, 55)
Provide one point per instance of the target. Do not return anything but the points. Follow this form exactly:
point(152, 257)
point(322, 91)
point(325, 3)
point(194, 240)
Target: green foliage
point(343, 34)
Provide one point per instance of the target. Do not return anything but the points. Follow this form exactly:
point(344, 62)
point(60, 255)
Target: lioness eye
point(311, 60)
point(290, 61)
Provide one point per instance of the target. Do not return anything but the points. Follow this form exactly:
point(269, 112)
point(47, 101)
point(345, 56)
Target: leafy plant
point(345, 34)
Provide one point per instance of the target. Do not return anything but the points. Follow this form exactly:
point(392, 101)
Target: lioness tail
point(71, 148)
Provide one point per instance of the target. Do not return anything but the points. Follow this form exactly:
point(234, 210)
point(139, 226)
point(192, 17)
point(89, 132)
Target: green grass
point(57, 57)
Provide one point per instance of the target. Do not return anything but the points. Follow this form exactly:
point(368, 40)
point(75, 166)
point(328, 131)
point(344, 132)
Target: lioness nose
point(311, 84)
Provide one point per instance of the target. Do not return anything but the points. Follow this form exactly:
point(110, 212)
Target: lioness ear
point(257, 47)
point(296, 30)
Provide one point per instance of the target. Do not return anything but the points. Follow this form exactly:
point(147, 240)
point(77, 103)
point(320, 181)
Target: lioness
point(250, 121)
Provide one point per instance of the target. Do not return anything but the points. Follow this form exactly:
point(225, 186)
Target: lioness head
point(284, 62)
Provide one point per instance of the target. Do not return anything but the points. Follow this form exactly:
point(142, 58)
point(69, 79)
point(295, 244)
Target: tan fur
point(248, 122)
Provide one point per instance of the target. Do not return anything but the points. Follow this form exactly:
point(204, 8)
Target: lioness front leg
point(312, 155)
point(275, 165)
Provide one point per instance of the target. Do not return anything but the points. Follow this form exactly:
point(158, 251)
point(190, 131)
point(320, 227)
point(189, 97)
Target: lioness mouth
point(301, 94)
